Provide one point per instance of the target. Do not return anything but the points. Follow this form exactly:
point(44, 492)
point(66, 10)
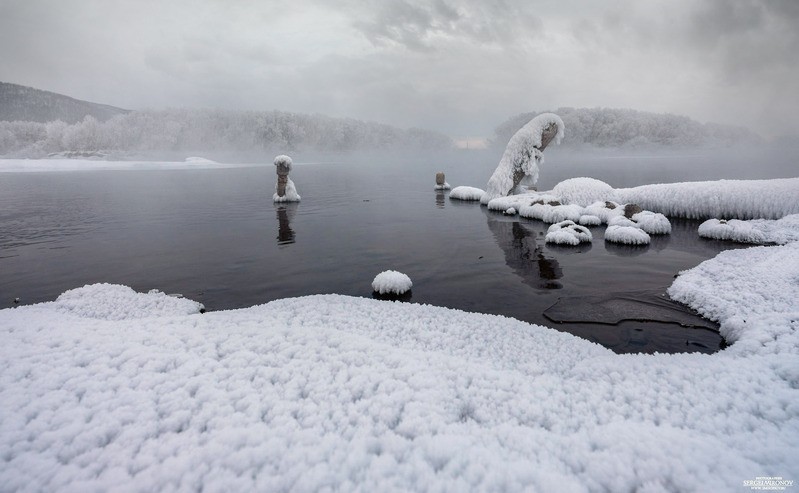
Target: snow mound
point(522, 154)
point(117, 302)
point(466, 193)
point(391, 282)
point(291, 193)
point(753, 294)
point(628, 235)
point(622, 221)
point(583, 191)
point(740, 199)
point(589, 220)
point(756, 231)
point(445, 186)
point(568, 233)
point(510, 211)
point(199, 160)
point(521, 200)
point(653, 223)
point(552, 213)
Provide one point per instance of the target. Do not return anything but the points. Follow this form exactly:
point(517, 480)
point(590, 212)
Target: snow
point(116, 302)
point(739, 199)
point(568, 233)
point(466, 193)
point(291, 193)
point(583, 191)
point(518, 201)
point(392, 282)
point(510, 211)
point(445, 186)
point(337, 393)
point(552, 213)
point(199, 160)
point(604, 213)
point(653, 223)
point(589, 220)
point(753, 231)
point(628, 235)
point(283, 161)
point(51, 165)
point(522, 154)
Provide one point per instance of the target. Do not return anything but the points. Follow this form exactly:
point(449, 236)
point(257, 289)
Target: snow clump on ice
point(583, 191)
point(392, 282)
point(466, 193)
point(628, 235)
point(568, 233)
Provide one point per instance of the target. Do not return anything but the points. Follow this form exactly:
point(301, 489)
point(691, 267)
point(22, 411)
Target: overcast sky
point(460, 67)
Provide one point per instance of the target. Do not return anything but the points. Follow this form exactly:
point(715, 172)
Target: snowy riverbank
point(62, 164)
point(106, 389)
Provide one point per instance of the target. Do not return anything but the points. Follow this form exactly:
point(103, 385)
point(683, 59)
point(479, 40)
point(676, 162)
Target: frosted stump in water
point(441, 182)
point(525, 151)
point(285, 191)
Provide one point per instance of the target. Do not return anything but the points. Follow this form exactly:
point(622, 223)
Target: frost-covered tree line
point(609, 127)
point(197, 130)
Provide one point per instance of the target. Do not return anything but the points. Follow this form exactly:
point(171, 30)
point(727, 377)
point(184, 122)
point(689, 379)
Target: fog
point(455, 67)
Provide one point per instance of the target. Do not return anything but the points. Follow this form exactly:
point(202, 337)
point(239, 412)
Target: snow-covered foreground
point(104, 389)
point(49, 165)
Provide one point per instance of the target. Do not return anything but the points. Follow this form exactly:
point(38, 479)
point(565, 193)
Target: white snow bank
point(753, 294)
point(291, 193)
point(339, 393)
point(568, 233)
point(466, 193)
point(740, 199)
point(583, 191)
point(781, 231)
point(51, 165)
point(392, 282)
point(522, 154)
point(628, 235)
point(116, 302)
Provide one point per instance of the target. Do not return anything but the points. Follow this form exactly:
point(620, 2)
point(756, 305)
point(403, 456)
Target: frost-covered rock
point(653, 223)
point(627, 235)
point(756, 231)
point(604, 210)
point(466, 193)
point(117, 302)
point(510, 211)
point(568, 233)
point(583, 191)
point(391, 282)
point(622, 221)
point(589, 220)
point(519, 163)
point(551, 213)
point(285, 191)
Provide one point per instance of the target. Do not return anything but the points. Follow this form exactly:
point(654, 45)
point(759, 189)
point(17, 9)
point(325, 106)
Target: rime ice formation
point(519, 164)
point(589, 220)
point(466, 193)
point(756, 231)
point(739, 199)
point(568, 233)
point(391, 282)
point(627, 235)
point(285, 191)
point(583, 191)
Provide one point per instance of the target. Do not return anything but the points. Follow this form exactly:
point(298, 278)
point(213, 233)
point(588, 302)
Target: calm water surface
point(216, 237)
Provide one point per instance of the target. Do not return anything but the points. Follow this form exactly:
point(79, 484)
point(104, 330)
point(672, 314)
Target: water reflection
point(524, 254)
point(285, 213)
point(440, 196)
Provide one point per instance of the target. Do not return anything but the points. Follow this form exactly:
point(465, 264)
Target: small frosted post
point(441, 182)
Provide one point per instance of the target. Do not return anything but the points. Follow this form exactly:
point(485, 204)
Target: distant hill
point(22, 103)
point(613, 127)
